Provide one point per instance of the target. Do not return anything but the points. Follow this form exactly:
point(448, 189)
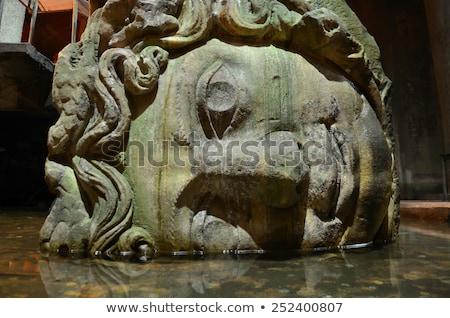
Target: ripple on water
point(417, 265)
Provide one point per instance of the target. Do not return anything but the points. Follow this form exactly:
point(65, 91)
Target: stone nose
point(270, 170)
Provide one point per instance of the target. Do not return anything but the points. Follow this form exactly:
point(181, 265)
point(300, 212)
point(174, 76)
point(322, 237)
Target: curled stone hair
point(120, 57)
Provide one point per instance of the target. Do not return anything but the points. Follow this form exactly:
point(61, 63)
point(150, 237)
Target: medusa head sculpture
point(212, 126)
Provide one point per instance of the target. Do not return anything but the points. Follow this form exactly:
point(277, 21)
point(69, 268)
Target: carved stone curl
point(219, 126)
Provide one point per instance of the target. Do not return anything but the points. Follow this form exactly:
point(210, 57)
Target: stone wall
point(11, 21)
point(402, 32)
point(438, 16)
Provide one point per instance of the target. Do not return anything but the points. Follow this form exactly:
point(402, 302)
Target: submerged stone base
point(219, 126)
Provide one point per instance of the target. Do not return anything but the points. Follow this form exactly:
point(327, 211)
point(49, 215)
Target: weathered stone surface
point(219, 126)
point(12, 15)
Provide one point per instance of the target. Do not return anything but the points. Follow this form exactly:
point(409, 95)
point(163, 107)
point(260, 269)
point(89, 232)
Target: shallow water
point(416, 265)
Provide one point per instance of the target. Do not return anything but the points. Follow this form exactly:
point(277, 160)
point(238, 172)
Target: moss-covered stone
point(219, 126)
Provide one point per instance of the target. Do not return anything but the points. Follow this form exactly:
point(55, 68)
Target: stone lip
point(28, 50)
point(256, 223)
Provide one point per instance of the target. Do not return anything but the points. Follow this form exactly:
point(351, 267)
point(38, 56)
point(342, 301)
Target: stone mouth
point(249, 218)
point(293, 206)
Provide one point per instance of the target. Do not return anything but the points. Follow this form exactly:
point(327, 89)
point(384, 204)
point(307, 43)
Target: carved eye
point(217, 99)
point(220, 96)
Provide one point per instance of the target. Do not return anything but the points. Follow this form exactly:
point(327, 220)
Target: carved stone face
point(219, 126)
point(255, 148)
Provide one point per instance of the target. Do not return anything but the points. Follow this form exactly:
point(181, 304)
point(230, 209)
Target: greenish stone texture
point(220, 127)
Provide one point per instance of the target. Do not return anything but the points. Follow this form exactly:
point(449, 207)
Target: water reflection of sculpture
point(342, 274)
point(269, 122)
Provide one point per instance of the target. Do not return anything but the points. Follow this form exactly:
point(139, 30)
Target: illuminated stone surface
point(220, 126)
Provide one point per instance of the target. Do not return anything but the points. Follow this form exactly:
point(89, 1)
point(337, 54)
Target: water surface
point(416, 265)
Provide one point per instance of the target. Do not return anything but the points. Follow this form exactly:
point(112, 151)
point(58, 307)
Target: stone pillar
point(1, 11)
point(438, 16)
point(11, 21)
